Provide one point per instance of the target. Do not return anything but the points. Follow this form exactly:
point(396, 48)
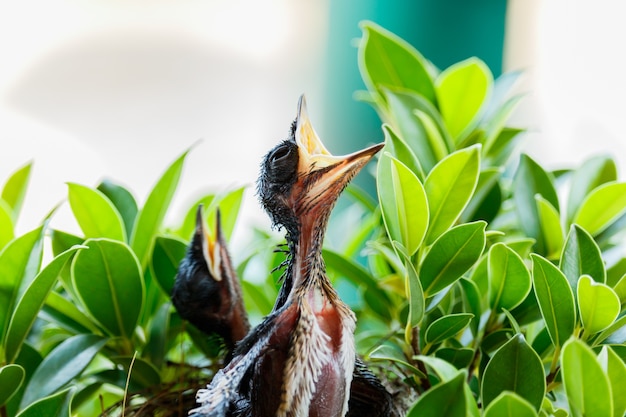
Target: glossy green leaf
point(587, 386)
point(401, 109)
point(57, 405)
point(487, 180)
point(229, 205)
point(7, 226)
point(388, 353)
point(28, 306)
point(449, 187)
point(551, 228)
point(14, 190)
point(514, 367)
point(401, 151)
point(64, 363)
point(19, 263)
point(531, 179)
point(615, 369)
point(447, 326)
point(602, 207)
point(620, 290)
point(498, 151)
point(443, 369)
point(435, 138)
point(167, 254)
point(108, 279)
point(95, 213)
point(403, 203)
point(153, 212)
point(452, 254)
point(509, 279)
point(509, 404)
point(123, 201)
point(11, 378)
point(436, 402)
point(598, 305)
point(387, 60)
point(593, 173)
point(581, 255)
point(555, 298)
point(415, 295)
point(65, 313)
point(158, 336)
point(461, 92)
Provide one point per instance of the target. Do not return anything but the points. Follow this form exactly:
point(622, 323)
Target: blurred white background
point(111, 88)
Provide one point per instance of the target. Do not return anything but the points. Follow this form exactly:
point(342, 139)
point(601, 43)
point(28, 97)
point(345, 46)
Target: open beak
point(211, 243)
point(326, 174)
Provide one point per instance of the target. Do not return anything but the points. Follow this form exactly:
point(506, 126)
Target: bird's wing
point(368, 397)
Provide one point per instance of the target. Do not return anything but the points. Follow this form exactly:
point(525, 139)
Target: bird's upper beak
point(326, 175)
point(212, 242)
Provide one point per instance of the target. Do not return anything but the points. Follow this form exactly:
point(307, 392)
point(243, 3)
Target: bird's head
point(207, 291)
point(301, 180)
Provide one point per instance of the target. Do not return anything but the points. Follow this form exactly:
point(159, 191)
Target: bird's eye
point(282, 162)
point(280, 153)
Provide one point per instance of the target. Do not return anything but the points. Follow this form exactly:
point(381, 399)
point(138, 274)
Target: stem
point(3, 411)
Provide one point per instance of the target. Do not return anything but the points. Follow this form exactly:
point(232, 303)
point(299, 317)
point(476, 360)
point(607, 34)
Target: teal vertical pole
point(444, 31)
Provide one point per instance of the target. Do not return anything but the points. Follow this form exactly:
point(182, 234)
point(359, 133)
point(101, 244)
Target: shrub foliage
point(483, 283)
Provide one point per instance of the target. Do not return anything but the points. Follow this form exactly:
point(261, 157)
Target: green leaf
point(487, 180)
point(449, 187)
point(586, 384)
point(602, 207)
point(95, 213)
point(555, 298)
point(167, 254)
point(550, 225)
point(598, 304)
point(108, 279)
point(229, 205)
point(153, 212)
point(434, 136)
point(57, 405)
point(581, 255)
point(392, 353)
point(436, 402)
point(447, 326)
point(11, 378)
point(188, 226)
point(509, 404)
point(461, 92)
point(497, 152)
point(30, 303)
point(66, 314)
point(425, 135)
point(593, 173)
point(14, 190)
point(444, 370)
point(403, 203)
point(401, 151)
point(19, 263)
point(514, 367)
point(452, 254)
point(7, 232)
point(530, 179)
point(415, 295)
point(615, 369)
point(387, 60)
point(123, 201)
point(509, 279)
point(64, 363)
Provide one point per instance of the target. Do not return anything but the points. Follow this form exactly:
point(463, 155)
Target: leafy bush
point(483, 283)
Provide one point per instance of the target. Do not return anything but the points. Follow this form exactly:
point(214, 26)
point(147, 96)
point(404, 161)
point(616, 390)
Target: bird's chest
point(320, 358)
